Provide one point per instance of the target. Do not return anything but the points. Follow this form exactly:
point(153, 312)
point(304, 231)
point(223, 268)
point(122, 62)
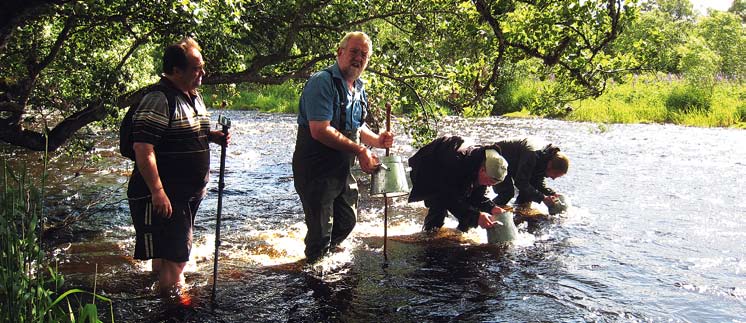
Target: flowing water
point(656, 234)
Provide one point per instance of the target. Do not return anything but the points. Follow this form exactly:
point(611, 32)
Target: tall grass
point(654, 99)
point(29, 285)
point(515, 95)
point(282, 98)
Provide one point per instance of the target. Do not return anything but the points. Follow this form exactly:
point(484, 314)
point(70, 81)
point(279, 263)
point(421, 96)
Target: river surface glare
point(657, 233)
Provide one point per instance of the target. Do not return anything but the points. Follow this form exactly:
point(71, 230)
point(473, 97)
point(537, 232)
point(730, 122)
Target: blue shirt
point(320, 94)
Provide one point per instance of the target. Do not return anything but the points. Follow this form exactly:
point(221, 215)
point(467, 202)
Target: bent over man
point(528, 166)
point(452, 178)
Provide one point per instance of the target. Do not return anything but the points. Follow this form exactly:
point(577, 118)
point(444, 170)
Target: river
point(656, 233)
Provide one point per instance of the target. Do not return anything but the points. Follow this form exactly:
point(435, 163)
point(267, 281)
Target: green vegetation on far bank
point(657, 99)
point(281, 98)
point(638, 99)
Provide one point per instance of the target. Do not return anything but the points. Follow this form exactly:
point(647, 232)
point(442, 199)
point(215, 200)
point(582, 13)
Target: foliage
point(676, 9)
point(653, 39)
point(28, 285)
point(688, 98)
point(741, 109)
point(665, 27)
point(422, 135)
point(739, 8)
point(514, 95)
point(643, 98)
point(281, 98)
point(725, 35)
point(66, 64)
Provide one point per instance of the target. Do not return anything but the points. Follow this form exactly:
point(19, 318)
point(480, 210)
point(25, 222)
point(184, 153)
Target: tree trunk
point(12, 132)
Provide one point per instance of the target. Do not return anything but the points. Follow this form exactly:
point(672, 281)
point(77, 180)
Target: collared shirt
point(320, 94)
point(181, 148)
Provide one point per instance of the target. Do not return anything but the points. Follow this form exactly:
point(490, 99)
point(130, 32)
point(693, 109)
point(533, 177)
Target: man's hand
point(161, 203)
point(368, 161)
point(497, 210)
point(485, 221)
point(550, 200)
point(385, 140)
point(148, 167)
point(217, 137)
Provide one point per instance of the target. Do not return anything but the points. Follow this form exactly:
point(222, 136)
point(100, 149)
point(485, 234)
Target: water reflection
point(656, 234)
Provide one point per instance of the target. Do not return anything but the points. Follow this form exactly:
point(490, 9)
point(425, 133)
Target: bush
point(282, 98)
point(513, 96)
point(686, 99)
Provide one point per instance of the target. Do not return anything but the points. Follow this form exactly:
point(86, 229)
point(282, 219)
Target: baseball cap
point(495, 165)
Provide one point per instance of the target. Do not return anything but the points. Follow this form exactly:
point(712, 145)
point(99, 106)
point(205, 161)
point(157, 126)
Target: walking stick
point(226, 123)
point(385, 198)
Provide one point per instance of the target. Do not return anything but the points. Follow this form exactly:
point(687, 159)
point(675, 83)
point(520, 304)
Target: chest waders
point(323, 178)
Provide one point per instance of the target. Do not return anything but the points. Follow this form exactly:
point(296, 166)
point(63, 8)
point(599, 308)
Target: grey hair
point(357, 34)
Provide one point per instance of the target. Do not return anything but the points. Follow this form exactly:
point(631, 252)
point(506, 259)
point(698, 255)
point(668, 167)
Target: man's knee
point(172, 266)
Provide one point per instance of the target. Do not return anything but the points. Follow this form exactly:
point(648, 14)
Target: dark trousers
point(159, 237)
point(436, 215)
point(330, 207)
point(505, 191)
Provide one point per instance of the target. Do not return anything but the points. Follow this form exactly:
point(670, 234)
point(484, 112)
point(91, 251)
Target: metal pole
point(221, 185)
point(385, 198)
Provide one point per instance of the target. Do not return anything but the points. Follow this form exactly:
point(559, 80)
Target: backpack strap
point(170, 98)
point(339, 116)
point(340, 112)
point(364, 104)
point(126, 125)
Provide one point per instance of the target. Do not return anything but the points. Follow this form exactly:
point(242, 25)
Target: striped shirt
point(182, 149)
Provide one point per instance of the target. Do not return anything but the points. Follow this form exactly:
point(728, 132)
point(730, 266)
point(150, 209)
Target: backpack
point(340, 116)
point(125, 127)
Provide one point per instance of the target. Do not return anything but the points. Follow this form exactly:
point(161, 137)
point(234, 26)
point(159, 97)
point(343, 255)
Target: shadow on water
point(643, 242)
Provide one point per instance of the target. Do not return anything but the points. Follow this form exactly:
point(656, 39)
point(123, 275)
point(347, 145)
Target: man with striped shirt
point(171, 135)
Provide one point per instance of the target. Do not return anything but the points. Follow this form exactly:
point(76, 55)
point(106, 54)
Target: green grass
point(644, 100)
point(30, 287)
point(282, 98)
point(639, 99)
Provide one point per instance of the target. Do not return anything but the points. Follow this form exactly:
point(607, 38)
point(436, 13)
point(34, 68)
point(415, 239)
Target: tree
point(67, 64)
point(678, 9)
point(726, 36)
point(653, 39)
point(739, 8)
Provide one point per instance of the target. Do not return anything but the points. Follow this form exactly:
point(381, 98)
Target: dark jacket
point(527, 167)
point(445, 171)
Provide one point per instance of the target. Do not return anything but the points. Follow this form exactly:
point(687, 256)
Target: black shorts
point(158, 237)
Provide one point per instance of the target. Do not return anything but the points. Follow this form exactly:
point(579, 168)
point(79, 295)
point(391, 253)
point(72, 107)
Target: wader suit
point(527, 168)
point(444, 175)
point(322, 176)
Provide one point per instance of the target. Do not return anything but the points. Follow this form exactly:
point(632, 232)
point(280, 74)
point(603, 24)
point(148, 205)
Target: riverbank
point(660, 99)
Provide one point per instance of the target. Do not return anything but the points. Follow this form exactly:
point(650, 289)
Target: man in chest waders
point(331, 129)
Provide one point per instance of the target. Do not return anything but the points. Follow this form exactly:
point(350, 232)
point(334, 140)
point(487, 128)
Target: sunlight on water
point(655, 235)
point(278, 247)
point(244, 160)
